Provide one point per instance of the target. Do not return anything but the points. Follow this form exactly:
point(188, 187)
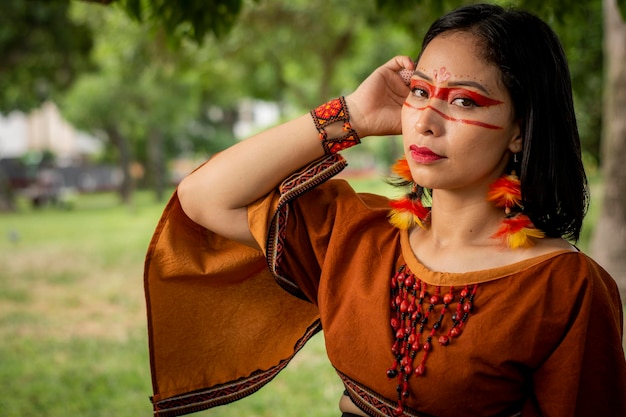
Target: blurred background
point(106, 104)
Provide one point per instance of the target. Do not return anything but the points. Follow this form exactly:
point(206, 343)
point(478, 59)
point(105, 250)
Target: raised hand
point(375, 106)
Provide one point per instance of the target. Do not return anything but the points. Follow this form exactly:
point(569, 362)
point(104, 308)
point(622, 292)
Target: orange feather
point(401, 168)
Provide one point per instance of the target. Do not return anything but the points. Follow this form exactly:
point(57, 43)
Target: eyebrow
point(461, 83)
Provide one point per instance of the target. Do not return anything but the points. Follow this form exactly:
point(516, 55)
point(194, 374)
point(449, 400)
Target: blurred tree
point(609, 238)
point(41, 52)
point(268, 56)
point(198, 18)
point(190, 18)
point(139, 98)
point(279, 61)
point(189, 92)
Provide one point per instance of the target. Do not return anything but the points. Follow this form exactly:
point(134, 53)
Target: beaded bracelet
point(335, 110)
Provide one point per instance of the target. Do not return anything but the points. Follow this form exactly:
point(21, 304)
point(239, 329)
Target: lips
point(423, 155)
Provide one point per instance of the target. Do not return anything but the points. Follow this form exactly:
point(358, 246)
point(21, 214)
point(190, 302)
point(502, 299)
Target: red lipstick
point(423, 155)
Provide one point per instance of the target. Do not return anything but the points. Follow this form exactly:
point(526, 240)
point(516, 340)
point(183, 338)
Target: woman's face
point(458, 121)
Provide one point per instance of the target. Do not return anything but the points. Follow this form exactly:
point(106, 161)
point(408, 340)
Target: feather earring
point(401, 169)
point(409, 210)
point(517, 230)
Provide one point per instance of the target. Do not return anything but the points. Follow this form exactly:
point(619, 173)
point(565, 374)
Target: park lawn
point(72, 332)
point(72, 318)
point(73, 326)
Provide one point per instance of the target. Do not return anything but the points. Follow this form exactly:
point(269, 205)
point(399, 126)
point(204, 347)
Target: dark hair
point(535, 72)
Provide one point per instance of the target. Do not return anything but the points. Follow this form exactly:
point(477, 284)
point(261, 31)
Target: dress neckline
point(471, 277)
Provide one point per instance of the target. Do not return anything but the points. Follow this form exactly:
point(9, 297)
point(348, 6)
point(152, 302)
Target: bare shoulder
point(540, 248)
point(549, 245)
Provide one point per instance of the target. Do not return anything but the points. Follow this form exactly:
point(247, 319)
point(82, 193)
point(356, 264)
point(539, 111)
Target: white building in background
point(44, 129)
point(13, 141)
point(255, 115)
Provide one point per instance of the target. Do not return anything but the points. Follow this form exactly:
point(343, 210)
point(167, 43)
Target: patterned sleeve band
point(328, 113)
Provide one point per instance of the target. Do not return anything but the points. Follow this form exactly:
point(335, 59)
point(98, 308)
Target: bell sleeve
point(219, 326)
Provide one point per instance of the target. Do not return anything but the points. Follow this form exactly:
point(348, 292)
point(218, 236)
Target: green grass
point(74, 376)
point(72, 318)
point(72, 332)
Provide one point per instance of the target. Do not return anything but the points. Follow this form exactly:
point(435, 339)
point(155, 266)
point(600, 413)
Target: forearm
point(217, 194)
point(251, 168)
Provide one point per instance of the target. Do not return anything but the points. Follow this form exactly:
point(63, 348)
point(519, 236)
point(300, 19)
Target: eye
point(420, 89)
point(419, 92)
point(464, 102)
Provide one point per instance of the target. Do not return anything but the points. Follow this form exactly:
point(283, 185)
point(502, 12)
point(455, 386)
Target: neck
point(458, 221)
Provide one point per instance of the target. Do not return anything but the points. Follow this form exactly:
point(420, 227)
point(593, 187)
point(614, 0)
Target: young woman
point(461, 299)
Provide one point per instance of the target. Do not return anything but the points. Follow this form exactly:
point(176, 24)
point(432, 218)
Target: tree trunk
point(7, 196)
point(156, 161)
point(123, 149)
point(608, 244)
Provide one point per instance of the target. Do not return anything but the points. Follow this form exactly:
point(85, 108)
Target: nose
point(429, 121)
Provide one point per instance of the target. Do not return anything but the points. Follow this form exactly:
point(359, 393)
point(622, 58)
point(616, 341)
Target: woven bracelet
point(331, 112)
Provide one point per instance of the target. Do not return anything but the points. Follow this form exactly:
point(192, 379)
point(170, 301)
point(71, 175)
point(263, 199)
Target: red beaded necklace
point(409, 319)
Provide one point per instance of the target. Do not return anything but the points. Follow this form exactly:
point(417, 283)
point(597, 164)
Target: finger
point(403, 66)
point(398, 62)
point(402, 62)
point(408, 63)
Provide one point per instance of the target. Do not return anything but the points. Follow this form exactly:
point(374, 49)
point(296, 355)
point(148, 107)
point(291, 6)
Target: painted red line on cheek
point(452, 119)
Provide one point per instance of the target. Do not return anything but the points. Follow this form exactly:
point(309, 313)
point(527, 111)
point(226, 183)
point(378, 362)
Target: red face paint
point(447, 93)
point(452, 119)
point(441, 76)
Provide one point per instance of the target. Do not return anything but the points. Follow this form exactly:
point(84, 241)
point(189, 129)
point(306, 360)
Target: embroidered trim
point(299, 183)
point(336, 110)
point(375, 405)
point(229, 392)
point(371, 402)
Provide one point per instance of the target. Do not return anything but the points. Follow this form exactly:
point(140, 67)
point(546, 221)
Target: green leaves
point(41, 51)
point(194, 19)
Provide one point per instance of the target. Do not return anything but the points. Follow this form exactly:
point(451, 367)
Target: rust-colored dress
point(544, 337)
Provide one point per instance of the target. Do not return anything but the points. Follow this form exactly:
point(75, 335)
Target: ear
point(517, 142)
